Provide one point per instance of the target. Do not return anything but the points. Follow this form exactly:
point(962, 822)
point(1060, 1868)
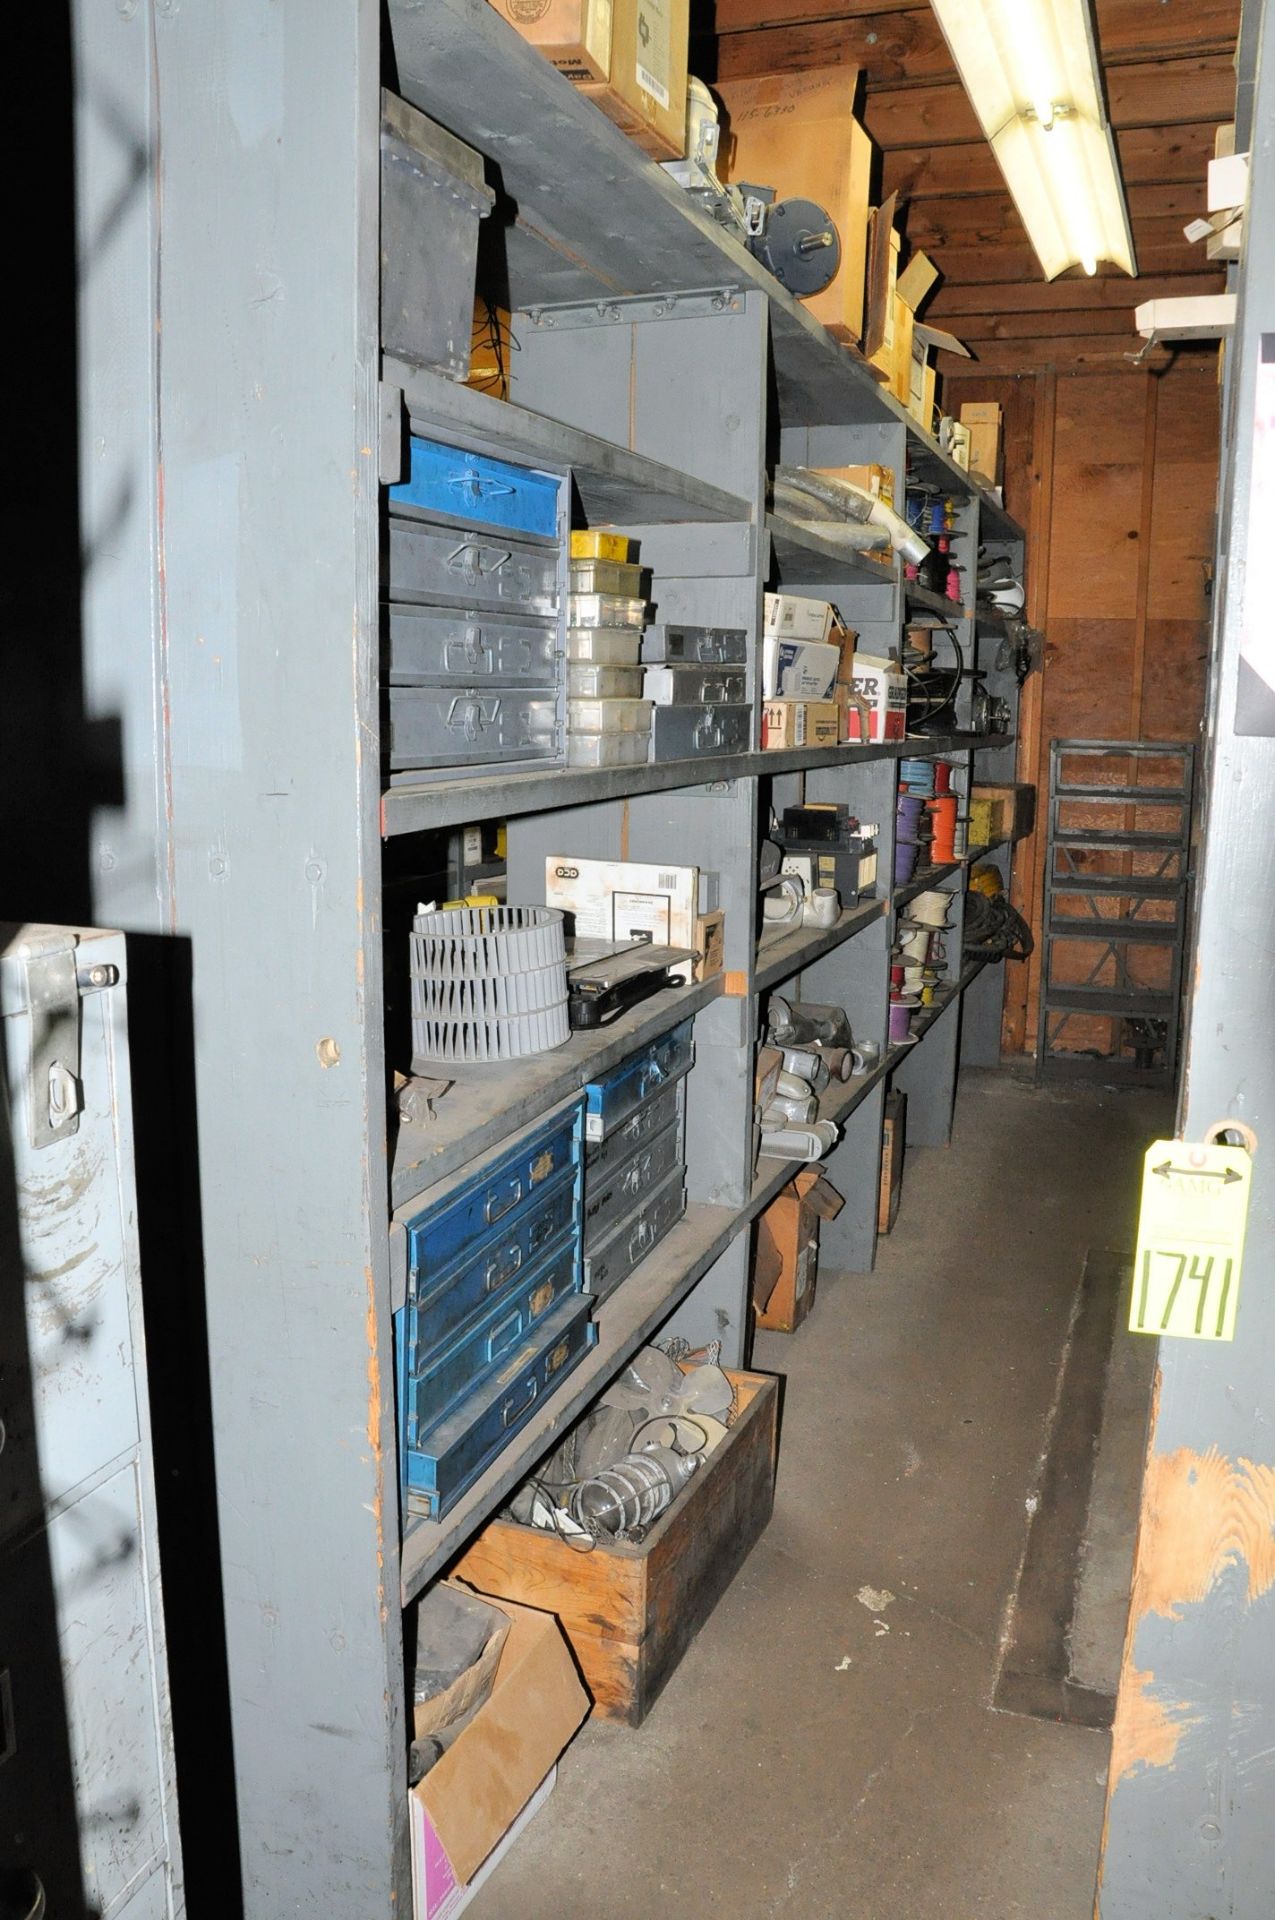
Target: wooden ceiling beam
point(1148, 156)
point(1127, 29)
point(1106, 354)
point(1170, 93)
point(1156, 214)
point(979, 330)
point(903, 48)
point(953, 301)
point(974, 262)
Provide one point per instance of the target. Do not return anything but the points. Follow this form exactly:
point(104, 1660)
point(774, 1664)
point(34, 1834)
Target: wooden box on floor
point(630, 1611)
point(892, 1138)
point(786, 1250)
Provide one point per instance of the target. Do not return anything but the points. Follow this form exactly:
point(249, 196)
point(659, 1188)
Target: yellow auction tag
point(1186, 1273)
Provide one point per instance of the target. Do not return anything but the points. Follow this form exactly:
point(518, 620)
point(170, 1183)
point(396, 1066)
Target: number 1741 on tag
point(1186, 1272)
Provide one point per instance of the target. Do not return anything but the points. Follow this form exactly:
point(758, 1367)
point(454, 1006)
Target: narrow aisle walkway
point(825, 1752)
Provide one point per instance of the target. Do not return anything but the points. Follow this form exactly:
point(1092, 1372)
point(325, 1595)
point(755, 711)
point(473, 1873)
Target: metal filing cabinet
point(473, 651)
point(88, 1814)
point(494, 1315)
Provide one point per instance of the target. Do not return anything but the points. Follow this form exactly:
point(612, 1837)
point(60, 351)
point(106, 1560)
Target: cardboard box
point(786, 1255)
point(625, 899)
point(800, 723)
point(472, 1796)
point(796, 132)
point(892, 1141)
point(883, 296)
point(885, 689)
point(575, 35)
point(1017, 800)
point(630, 1608)
point(798, 669)
point(983, 418)
point(710, 944)
point(436, 1892)
point(645, 91)
point(791, 616)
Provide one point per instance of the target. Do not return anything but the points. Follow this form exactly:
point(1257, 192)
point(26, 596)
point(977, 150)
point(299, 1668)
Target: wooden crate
point(631, 1611)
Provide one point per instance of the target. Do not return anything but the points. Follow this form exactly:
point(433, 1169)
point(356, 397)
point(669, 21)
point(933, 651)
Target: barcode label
point(668, 883)
point(649, 84)
point(654, 61)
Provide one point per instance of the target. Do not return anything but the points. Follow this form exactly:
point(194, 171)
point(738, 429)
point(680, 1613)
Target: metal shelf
point(783, 957)
point(805, 558)
point(1120, 842)
point(616, 487)
point(1115, 1002)
point(1164, 933)
point(413, 805)
point(486, 1103)
point(935, 602)
point(1138, 796)
point(595, 221)
point(1117, 885)
point(922, 882)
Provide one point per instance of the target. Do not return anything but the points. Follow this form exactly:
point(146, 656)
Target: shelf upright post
point(229, 175)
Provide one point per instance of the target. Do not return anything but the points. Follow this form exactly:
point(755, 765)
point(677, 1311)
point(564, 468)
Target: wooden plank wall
point(1114, 477)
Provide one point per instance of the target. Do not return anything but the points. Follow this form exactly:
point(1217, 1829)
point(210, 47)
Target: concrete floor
point(827, 1754)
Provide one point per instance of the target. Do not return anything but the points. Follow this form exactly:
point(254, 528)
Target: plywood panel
point(1174, 679)
point(1088, 667)
point(1183, 503)
point(1097, 500)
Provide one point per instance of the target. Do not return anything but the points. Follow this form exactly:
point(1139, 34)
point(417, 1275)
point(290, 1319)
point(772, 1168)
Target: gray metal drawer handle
point(467, 717)
point(714, 690)
point(474, 561)
point(708, 733)
point(513, 1407)
point(495, 1209)
point(472, 651)
point(498, 1272)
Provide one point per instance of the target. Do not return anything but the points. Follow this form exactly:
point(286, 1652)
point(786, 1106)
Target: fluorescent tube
point(1030, 68)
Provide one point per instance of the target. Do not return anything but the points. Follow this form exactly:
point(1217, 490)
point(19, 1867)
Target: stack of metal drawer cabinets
point(697, 681)
point(635, 1172)
point(507, 1262)
point(494, 1315)
point(476, 577)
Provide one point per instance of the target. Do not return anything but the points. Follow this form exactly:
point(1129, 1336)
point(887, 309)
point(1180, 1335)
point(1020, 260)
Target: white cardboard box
point(885, 689)
point(627, 900)
point(792, 617)
point(797, 669)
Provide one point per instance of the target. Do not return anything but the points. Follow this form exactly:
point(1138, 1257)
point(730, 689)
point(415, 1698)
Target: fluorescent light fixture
point(1030, 68)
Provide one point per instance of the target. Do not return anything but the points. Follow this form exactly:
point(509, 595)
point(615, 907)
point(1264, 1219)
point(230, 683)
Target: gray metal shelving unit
point(232, 504)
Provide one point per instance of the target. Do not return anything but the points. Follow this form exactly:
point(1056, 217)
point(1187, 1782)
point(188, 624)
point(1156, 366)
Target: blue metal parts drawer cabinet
point(471, 486)
point(610, 1101)
point(494, 1311)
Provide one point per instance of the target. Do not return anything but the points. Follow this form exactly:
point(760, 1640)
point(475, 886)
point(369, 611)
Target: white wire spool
point(488, 984)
